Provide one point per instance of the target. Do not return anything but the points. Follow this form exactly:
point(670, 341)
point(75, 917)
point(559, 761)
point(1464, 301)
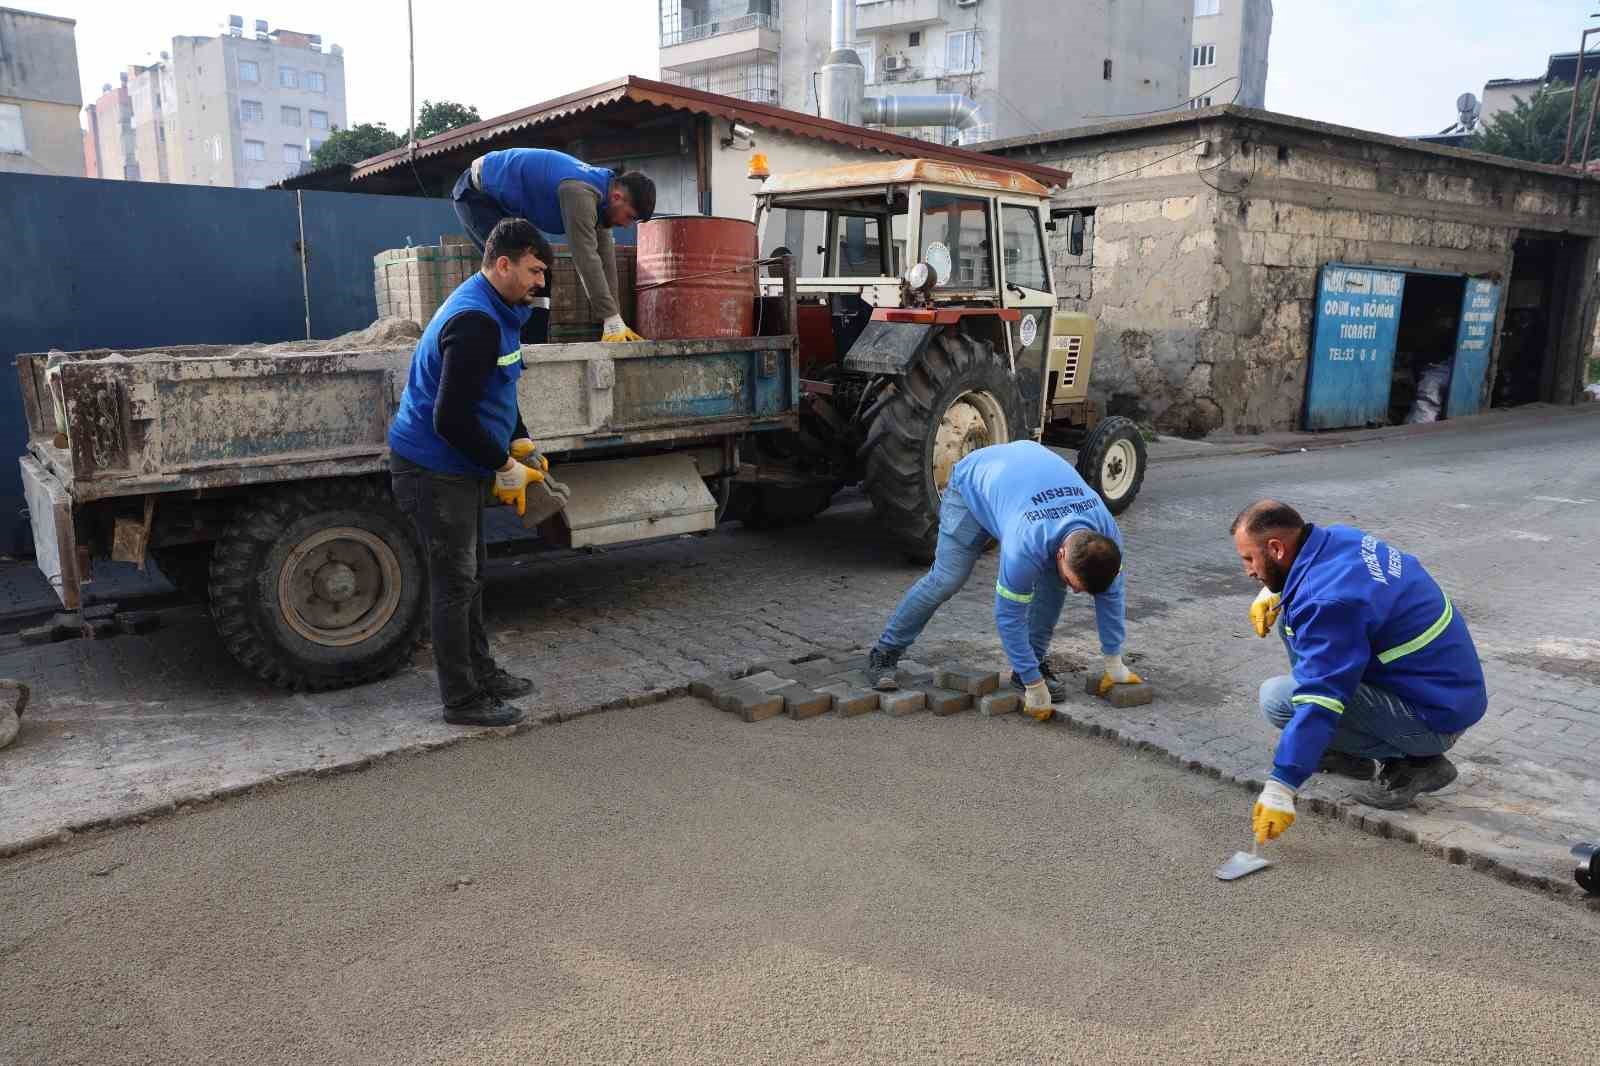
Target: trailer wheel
point(320, 586)
point(958, 398)
point(1112, 461)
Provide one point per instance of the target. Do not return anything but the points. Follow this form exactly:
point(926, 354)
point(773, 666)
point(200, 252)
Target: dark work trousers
point(478, 212)
point(448, 512)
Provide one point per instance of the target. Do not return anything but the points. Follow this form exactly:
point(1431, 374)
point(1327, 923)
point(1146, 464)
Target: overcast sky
point(1395, 66)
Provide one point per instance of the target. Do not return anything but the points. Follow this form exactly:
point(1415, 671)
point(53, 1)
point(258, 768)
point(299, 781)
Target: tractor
point(928, 328)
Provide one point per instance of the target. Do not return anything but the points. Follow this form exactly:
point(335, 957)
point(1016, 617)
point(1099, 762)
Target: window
point(288, 78)
point(1205, 55)
point(319, 120)
point(963, 52)
point(251, 111)
point(916, 38)
point(316, 82)
point(868, 53)
point(804, 233)
point(1198, 102)
point(249, 70)
point(256, 151)
point(1023, 245)
point(1203, 8)
point(289, 116)
point(859, 251)
point(293, 154)
point(960, 225)
point(13, 138)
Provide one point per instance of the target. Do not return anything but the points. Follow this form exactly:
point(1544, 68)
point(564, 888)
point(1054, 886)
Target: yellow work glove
point(1274, 811)
point(615, 330)
point(511, 484)
point(1036, 701)
point(1264, 611)
point(524, 450)
point(1117, 674)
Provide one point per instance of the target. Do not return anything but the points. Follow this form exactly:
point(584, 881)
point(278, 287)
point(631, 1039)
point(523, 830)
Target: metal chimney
point(842, 87)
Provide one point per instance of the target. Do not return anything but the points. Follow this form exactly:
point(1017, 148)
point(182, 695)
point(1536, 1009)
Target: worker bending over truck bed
point(1384, 676)
point(562, 196)
point(1055, 535)
point(457, 428)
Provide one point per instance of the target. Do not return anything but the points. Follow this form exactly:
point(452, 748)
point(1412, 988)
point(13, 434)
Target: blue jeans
point(1376, 724)
point(961, 543)
point(478, 213)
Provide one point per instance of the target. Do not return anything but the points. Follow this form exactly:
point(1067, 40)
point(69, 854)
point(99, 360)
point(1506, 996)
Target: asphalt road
point(668, 884)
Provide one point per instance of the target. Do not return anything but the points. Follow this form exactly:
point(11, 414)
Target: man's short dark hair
point(515, 238)
point(1095, 561)
point(1268, 516)
point(641, 192)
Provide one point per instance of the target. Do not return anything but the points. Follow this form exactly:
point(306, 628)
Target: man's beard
point(1275, 575)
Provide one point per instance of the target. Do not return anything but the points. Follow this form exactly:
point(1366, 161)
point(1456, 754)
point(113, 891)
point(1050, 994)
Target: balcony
point(896, 15)
point(718, 27)
point(703, 43)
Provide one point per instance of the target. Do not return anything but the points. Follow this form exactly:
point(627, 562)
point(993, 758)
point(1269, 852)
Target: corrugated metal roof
point(676, 97)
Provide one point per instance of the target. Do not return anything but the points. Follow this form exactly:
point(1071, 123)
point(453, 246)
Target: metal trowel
point(1243, 862)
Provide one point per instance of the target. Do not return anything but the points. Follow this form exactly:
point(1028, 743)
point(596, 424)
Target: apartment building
point(1032, 65)
point(235, 109)
point(110, 150)
point(1228, 55)
point(39, 95)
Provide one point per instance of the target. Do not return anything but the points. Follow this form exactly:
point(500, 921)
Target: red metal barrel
point(688, 284)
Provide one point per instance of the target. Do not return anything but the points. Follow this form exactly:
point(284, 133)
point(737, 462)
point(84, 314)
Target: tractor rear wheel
point(960, 397)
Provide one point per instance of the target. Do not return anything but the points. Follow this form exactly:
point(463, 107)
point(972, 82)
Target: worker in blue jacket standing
point(1055, 536)
point(1384, 677)
point(458, 428)
point(563, 196)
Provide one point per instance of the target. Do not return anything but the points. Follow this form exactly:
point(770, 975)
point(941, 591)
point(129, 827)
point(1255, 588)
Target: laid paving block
point(1121, 695)
point(802, 702)
point(705, 688)
point(945, 701)
point(850, 701)
point(911, 674)
point(767, 681)
point(998, 703)
point(748, 702)
point(969, 680)
point(899, 703)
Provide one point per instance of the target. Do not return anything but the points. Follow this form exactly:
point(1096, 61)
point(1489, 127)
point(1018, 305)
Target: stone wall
point(1202, 269)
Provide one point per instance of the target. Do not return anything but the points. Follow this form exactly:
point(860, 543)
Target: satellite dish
point(1466, 103)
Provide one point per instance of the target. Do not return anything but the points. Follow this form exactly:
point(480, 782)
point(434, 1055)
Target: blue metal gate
point(1474, 339)
point(1352, 349)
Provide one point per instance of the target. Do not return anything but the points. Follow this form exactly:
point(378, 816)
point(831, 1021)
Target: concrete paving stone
point(911, 674)
point(801, 702)
point(849, 701)
point(900, 703)
point(969, 679)
point(945, 701)
point(997, 703)
point(767, 681)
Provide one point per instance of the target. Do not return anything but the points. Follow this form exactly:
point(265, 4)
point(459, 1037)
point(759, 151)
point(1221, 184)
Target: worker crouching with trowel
point(567, 197)
point(1384, 678)
point(1055, 536)
point(457, 427)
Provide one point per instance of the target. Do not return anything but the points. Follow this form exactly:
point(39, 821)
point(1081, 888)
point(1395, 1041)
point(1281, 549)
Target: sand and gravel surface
point(669, 884)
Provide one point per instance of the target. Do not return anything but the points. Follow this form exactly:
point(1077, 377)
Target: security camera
point(740, 136)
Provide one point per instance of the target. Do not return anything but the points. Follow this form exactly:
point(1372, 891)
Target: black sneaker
point(1347, 765)
point(484, 710)
point(881, 667)
point(1402, 780)
point(506, 686)
point(1057, 686)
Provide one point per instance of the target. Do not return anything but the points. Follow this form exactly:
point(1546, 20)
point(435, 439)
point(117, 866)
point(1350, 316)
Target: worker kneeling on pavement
point(562, 196)
point(1384, 675)
point(457, 427)
point(1055, 535)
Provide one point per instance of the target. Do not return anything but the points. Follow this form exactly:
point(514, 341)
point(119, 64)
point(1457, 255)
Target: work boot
point(506, 686)
point(484, 709)
point(1056, 685)
point(1346, 765)
point(1400, 781)
point(881, 668)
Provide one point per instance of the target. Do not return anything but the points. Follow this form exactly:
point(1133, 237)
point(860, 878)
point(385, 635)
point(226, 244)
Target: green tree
point(355, 144)
point(437, 116)
point(1535, 129)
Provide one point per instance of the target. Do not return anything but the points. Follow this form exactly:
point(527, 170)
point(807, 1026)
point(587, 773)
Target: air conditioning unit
point(895, 64)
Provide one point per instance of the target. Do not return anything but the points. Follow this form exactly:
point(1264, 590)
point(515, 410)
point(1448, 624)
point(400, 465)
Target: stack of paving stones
point(839, 685)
